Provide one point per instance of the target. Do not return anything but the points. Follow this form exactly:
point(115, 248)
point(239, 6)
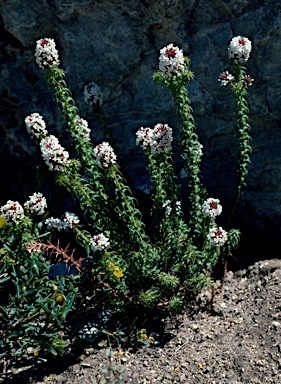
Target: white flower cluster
point(105, 155)
point(225, 78)
point(84, 130)
point(93, 94)
point(239, 49)
point(217, 236)
point(54, 155)
point(46, 54)
point(212, 208)
point(99, 242)
point(54, 223)
point(158, 139)
point(12, 211)
point(36, 203)
point(36, 125)
point(168, 207)
point(68, 221)
point(171, 62)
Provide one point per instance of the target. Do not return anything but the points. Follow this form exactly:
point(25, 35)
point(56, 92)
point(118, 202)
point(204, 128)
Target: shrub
point(121, 268)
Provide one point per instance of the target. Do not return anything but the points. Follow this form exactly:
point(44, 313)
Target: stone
point(116, 44)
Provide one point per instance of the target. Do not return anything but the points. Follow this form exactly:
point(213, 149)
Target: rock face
point(116, 44)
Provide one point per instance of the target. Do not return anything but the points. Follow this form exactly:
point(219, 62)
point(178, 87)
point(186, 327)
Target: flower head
point(171, 62)
point(36, 125)
point(54, 223)
point(93, 94)
point(99, 242)
point(211, 207)
point(46, 54)
point(217, 236)
point(247, 80)
point(158, 140)
point(105, 155)
point(69, 220)
point(55, 156)
point(12, 211)
point(240, 49)
point(36, 203)
point(225, 78)
point(84, 130)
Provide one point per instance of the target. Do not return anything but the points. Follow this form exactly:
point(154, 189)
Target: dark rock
point(116, 44)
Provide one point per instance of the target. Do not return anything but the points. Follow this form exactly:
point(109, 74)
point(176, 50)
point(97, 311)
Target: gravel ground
point(230, 336)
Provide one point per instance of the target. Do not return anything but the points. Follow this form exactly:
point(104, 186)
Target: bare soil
point(229, 336)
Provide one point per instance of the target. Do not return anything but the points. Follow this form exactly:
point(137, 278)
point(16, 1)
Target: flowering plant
point(122, 266)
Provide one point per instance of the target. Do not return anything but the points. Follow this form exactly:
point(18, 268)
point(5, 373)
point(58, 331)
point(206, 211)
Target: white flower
point(46, 54)
point(54, 223)
point(169, 208)
point(55, 156)
point(171, 61)
point(225, 78)
point(144, 137)
point(84, 130)
point(158, 140)
point(105, 155)
point(99, 242)
point(69, 220)
point(93, 94)
point(12, 211)
point(36, 203)
point(36, 125)
point(217, 236)
point(211, 207)
point(239, 49)
point(162, 138)
point(198, 150)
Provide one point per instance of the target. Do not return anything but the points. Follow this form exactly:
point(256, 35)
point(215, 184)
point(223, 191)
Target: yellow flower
point(36, 353)
point(2, 222)
point(116, 270)
point(111, 266)
point(60, 298)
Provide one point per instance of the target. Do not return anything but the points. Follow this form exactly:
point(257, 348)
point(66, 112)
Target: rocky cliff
point(116, 44)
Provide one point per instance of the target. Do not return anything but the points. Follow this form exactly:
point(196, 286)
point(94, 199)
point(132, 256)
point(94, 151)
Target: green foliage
point(122, 266)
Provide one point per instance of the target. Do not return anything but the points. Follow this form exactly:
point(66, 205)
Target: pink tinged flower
point(225, 78)
point(247, 80)
point(162, 138)
point(240, 49)
point(212, 208)
point(105, 155)
point(69, 220)
point(36, 125)
point(144, 137)
point(36, 203)
point(54, 155)
point(99, 242)
point(157, 140)
point(46, 54)
point(217, 236)
point(93, 94)
point(54, 223)
point(12, 211)
point(171, 62)
point(83, 128)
